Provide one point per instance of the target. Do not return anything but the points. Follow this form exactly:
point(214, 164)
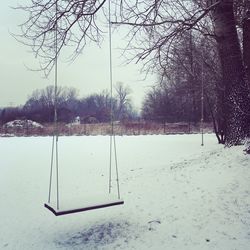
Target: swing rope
point(112, 134)
point(202, 97)
point(55, 132)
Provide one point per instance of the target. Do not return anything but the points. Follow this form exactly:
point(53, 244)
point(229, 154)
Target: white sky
point(89, 73)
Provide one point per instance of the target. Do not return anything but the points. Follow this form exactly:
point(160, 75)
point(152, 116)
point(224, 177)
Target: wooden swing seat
point(65, 209)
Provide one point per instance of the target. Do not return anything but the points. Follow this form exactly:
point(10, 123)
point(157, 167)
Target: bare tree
point(124, 102)
point(53, 24)
point(41, 103)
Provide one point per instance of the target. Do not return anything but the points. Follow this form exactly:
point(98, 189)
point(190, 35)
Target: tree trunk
point(236, 92)
point(217, 129)
point(246, 44)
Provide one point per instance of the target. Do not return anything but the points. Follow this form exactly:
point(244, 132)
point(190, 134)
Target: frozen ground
point(178, 195)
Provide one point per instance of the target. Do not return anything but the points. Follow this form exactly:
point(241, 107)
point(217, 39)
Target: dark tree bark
point(236, 93)
point(246, 44)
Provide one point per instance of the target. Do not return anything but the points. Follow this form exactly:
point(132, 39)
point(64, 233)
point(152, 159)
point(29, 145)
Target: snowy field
point(178, 195)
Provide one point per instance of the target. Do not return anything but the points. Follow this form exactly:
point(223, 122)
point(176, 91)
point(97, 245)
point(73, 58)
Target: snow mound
point(247, 147)
point(22, 124)
point(7, 135)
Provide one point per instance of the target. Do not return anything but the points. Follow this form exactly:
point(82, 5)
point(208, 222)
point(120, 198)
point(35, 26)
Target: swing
point(97, 202)
point(85, 206)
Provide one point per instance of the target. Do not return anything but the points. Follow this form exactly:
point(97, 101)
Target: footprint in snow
point(153, 224)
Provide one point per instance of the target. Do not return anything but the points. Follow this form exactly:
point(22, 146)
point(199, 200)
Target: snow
point(177, 194)
point(22, 124)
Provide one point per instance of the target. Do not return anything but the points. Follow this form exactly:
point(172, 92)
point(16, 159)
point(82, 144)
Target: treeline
point(190, 87)
point(91, 109)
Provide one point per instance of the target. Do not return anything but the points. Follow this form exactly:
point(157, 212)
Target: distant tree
point(96, 106)
point(177, 97)
point(124, 105)
point(2, 114)
point(40, 105)
point(167, 105)
point(12, 113)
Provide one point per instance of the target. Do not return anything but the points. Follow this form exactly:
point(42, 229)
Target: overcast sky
point(89, 73)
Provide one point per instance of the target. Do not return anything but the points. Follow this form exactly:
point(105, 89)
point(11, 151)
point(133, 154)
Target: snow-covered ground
point(178, 195)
